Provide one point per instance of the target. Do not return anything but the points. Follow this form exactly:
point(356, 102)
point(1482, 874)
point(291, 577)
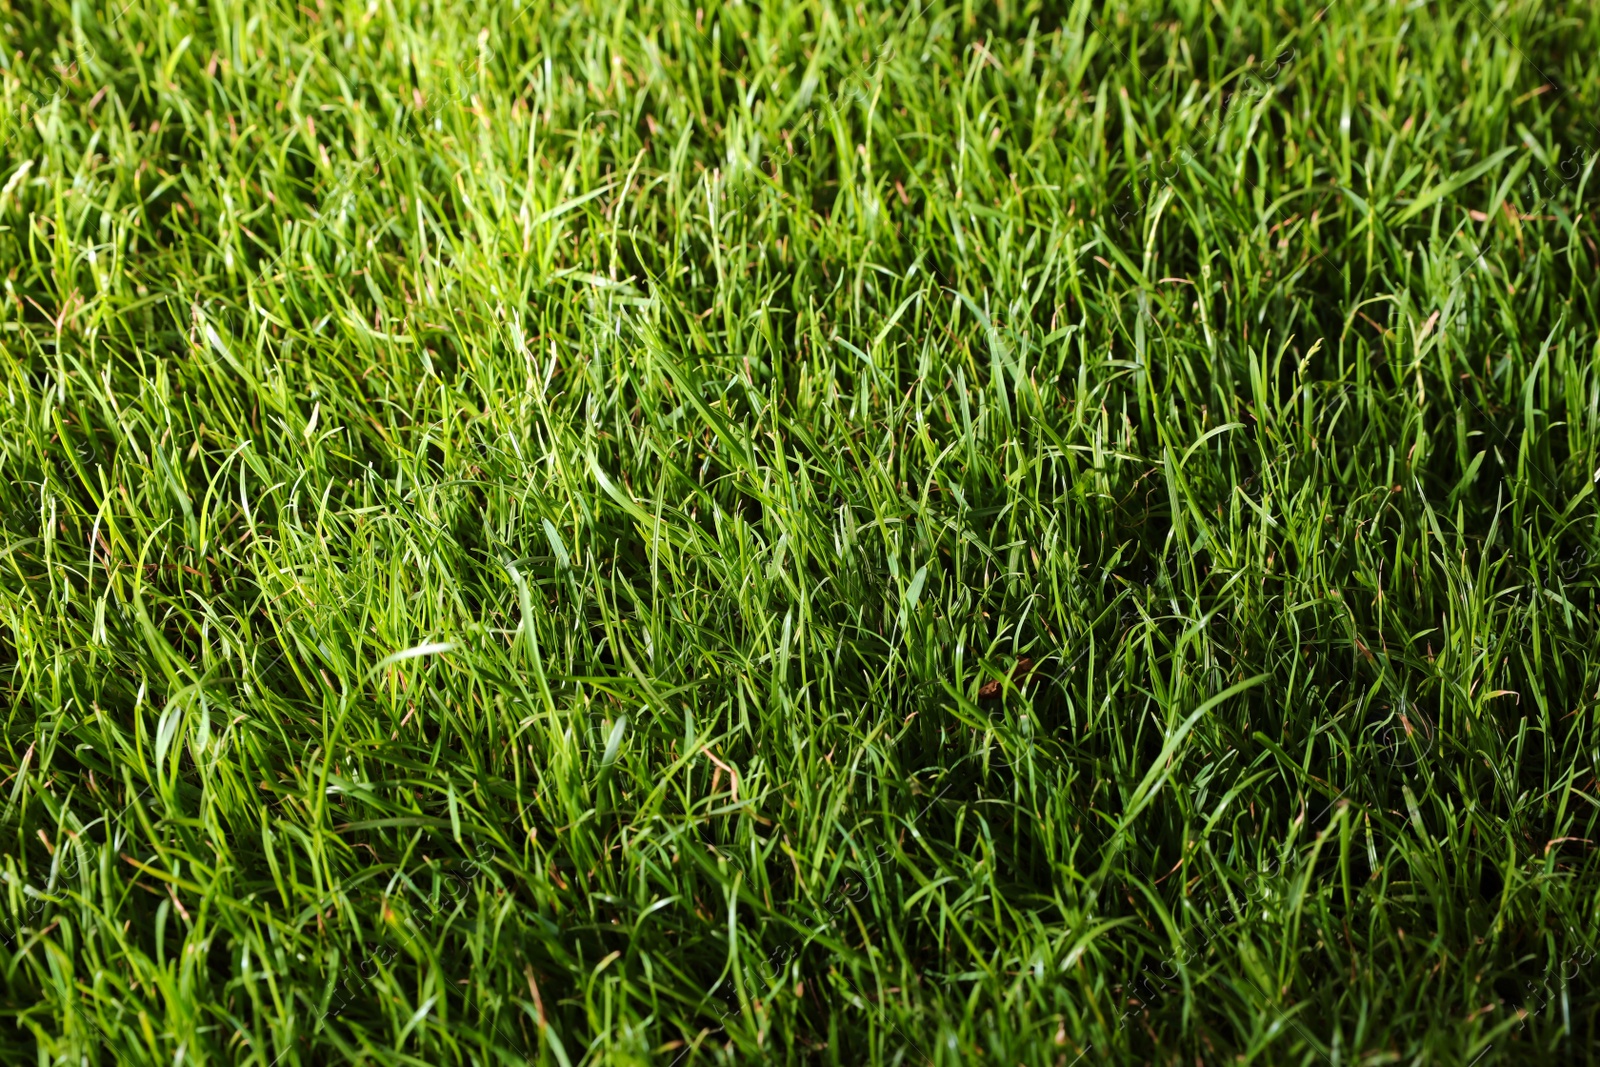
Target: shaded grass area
point(826, 534)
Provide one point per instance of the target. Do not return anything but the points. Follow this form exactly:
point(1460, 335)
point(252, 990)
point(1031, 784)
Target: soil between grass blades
point(587, 533)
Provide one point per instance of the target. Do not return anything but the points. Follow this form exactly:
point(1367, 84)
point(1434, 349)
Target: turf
point(935, 533)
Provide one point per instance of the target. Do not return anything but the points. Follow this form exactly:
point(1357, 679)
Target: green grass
point(896, 534)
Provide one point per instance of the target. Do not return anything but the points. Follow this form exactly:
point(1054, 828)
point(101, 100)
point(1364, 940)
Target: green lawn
point(927, 533)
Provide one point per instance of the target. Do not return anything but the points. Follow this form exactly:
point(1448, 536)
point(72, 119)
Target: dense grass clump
point(804, 532)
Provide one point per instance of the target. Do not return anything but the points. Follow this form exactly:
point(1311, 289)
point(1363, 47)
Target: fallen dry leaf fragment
point(1019, 674)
